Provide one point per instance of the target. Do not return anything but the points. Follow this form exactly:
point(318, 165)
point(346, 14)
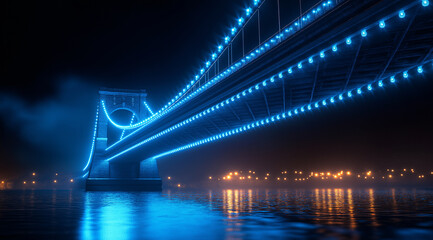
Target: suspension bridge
point(274, 64)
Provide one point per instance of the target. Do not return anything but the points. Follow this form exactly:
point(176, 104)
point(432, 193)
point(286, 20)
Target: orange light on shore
point(72, 180)
point(33, 182)
point(228, 177)
point(348, 173)
point(168, 178)
point(390, 176)
point(55, 181)
point(236, 173)
point(34, 174)
point(24, 182)
point(210, 178)
point(178, 185)
point(3, 182)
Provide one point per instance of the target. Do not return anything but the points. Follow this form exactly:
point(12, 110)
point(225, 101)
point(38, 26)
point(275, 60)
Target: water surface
point(218, 214)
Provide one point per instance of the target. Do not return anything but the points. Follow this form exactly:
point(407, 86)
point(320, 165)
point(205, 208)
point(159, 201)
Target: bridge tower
point(129, 174)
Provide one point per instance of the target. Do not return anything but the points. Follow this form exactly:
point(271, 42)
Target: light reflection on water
point(218, 214)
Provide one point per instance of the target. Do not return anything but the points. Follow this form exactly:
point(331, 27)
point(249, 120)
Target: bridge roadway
point(401, 44)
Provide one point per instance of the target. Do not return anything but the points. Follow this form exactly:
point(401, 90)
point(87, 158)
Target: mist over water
point(334, 213)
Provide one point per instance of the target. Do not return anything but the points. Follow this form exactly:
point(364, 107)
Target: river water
point(218, 214)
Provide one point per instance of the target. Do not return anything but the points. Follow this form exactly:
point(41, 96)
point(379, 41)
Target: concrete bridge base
point(123, 184)
point(124, 176)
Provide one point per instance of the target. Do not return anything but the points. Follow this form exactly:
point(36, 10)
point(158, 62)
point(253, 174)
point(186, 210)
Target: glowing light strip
point(130, 123)
point(297, 111)
point(322, 54)
point(254, 54)
point(293, 28)
point(92, 148)
point(111, 120)
point(148, 108)
point(241, 22)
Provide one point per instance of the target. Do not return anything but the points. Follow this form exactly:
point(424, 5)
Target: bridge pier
point(130, 176)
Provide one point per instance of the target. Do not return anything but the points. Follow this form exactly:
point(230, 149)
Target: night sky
point(56, 54)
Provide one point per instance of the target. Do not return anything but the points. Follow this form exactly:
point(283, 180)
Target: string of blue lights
point(92, 148)
point(148, 108)
point(292, 113)
point(290, 71)
point(130, 123)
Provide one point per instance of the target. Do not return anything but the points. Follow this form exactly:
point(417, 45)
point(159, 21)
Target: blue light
point(264, 83)
point(348, 41)
point(364, 33)
point(419, 69)
point(380, 84)
point(302, 109)
point(290, 71)
point(332, 100)
point(382, 24)
point(322, 54)
point(310, 60)
point(248, 11)
point(324, 102)
point(316, 105)
point(227, 39)
point(340, 97)
point(349, 94)
point(334, 48)
point(405, 74)
point(359, 91)
point(369, 87)
point(256, 2)
point(92, 148)
point(309, 106)
point(425, 3)
point(401, 14)
point(300, 65)
point(148, 108)
point(220, 48)
point(233, 30)
point(296, 111)
point(392, 79)
point(240, 21)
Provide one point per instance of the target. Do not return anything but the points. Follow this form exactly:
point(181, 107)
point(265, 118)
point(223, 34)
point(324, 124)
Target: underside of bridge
point(356, 48)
